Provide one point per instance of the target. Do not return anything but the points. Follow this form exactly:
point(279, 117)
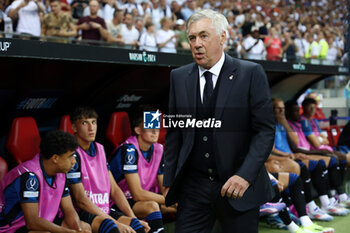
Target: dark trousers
point(200, 205)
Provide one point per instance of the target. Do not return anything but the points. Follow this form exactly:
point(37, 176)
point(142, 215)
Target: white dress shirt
point(215, 70)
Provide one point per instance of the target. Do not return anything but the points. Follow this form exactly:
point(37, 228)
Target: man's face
point(139, 25)
point(94, 6)
point(174, 6)
point(151, 28)
point(206, 44)
point(149, 136)
point(255, 34)
point(278, 108)
point(128, 20)
point(294, 113)
point(192, 5)
point(310, 109)
point(166, 23)
point(155, 3)
point(85, 129)
point(120, 16)
point(55, 7)
point(66, 161)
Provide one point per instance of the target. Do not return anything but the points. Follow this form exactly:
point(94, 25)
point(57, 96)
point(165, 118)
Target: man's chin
point(200, 62)
point(92, 139)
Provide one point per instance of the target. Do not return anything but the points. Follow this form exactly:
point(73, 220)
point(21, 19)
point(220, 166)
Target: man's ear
point(55, 158)
point(223, 38)
point(137, 130)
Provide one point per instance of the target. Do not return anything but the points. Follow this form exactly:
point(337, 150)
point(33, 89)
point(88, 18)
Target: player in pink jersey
point(336, 172)
point(32, 193)
point(137, 166)
point(92, 185)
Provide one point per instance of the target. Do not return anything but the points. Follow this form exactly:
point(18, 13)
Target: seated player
point(315, 165)
point(138, 168)
point(289, 188)
point(336, 170)
point(32, 193)
point(91, 183)
point(312, 131)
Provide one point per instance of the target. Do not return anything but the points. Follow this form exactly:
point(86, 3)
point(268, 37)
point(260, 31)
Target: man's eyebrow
point(200, 33)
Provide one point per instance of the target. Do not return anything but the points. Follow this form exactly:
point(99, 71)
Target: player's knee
point(96, 223)
point(340, 155)
point(273, 166)
point(152, 206)
point(294, 167)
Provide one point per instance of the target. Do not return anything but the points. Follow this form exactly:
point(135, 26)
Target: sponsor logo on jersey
point(32, 184)
point(30, 194)
point(98, 198)
point(73, 175)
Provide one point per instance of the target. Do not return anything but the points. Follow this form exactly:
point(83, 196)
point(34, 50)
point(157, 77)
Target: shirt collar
point(215, 70)
point(148, 154)
point(92, 150)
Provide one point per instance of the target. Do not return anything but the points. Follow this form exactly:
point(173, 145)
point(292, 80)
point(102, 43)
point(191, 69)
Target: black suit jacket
point(245, 138)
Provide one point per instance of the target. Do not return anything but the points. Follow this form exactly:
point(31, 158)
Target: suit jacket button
point(205, 138)
point(211, 178)
point(210, 170)
point(207, 155)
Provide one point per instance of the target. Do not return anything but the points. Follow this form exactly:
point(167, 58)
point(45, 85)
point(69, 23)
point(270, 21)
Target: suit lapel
point(227, 75)
point(191, 87)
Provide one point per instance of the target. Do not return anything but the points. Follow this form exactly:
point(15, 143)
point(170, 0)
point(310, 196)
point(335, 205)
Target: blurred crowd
point(258, 29)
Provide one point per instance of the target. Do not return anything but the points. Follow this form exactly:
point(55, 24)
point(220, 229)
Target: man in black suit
point(218, 173)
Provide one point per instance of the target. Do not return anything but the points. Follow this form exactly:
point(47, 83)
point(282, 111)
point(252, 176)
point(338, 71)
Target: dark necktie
point(208, 88)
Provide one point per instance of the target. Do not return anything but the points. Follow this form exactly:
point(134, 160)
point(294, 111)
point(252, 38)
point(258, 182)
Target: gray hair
point(219, 21)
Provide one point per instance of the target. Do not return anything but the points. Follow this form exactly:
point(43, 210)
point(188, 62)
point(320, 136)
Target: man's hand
point(95, 25)
point(281, 118)
point(300, 156)
point(234, 187)
point(145, 226)
point(124, 228)
point(291, 156)
point(85, 26)
point(60, 32)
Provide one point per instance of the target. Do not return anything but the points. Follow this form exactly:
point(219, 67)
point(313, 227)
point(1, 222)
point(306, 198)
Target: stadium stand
point(304, 29)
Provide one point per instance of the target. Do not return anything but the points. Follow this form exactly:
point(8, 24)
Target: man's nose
point(91, 126)
point(198, 43)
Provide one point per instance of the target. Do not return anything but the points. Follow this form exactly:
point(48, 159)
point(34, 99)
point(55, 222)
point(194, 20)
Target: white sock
point(305, 221)
point(312, 206)
point(332, 200)
point(333, 192)
point(343, 197)
point(292, 227)
point(324, 201)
